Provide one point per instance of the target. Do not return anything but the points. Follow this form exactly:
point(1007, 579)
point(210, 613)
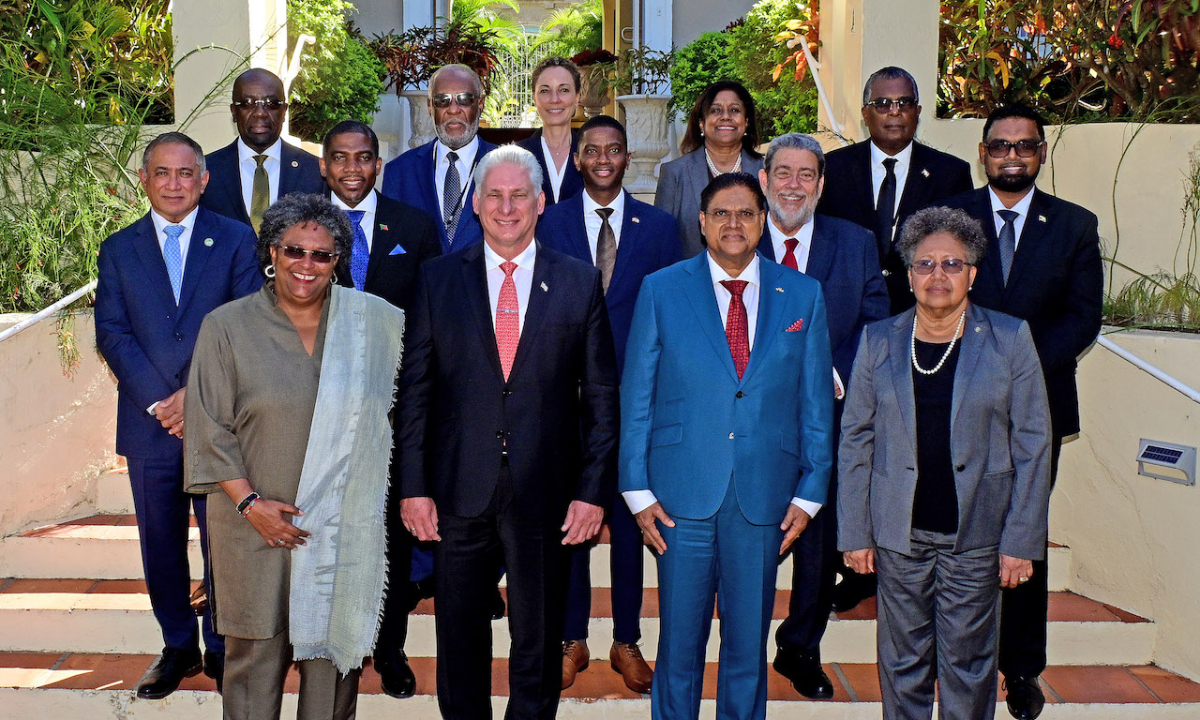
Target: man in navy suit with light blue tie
point(627, 240)
point(842, 257)
point(436, 177)
point(158, 278)
point(726, 444)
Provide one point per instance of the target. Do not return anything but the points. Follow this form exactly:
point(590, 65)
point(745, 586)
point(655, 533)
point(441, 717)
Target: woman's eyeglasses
point(320, 257)
point(952, 266)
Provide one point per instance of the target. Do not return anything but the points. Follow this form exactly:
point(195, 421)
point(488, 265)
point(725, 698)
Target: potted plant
point(595, 68)
point(642, 74)
point(411, 57)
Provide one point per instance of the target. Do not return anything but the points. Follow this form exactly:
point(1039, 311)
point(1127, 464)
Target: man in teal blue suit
point(726, 444)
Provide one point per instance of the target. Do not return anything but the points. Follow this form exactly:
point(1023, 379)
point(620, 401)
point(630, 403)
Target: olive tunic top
point(248, 411)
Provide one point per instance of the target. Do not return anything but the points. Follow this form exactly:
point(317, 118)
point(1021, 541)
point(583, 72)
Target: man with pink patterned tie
point(506, 430)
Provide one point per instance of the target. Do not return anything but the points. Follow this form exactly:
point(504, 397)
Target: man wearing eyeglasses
point(1042, 265)
point(880, 183)
point(436, 177)
point(251, 173)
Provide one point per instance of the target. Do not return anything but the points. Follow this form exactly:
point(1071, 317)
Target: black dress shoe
point(396, 677)
point(805, 673)
point(498, 607)
point(214, 667)
point(167, 671)
point(1025, 698)
point(851, 591)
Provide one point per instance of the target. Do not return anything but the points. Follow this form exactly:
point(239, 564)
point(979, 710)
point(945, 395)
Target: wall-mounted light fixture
point(1167, 461)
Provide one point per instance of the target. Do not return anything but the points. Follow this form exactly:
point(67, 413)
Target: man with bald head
point(436, 177)
point(251, 173)
point(506, 430)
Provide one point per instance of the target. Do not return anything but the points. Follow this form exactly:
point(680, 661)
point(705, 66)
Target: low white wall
point(56, 433)
point(1135, 540)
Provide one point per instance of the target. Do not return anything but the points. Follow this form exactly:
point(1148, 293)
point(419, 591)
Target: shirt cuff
point(839, 388)
point(151, 408)
point(807, 506)
point(638, 500)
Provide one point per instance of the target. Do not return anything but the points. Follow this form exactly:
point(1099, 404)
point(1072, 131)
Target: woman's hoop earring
point(269, 271)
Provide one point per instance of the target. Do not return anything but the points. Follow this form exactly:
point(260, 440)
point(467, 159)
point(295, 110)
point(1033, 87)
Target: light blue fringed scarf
point(337, 579)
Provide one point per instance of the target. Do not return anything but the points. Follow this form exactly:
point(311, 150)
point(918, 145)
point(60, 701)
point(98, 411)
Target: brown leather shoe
point(575, 660)
point(626, 658)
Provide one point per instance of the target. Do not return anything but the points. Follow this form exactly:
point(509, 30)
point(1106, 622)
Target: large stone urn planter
point(593, 90)
point(419, 118)
point(646, 125)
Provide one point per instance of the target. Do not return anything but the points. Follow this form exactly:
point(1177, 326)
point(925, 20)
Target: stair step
point(105, 547)
point(109, 616)
point(99, 686)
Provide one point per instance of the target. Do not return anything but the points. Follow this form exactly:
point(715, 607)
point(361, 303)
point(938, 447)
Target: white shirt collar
point(245, 152)
point(902, 158)
point(160, 222)
point(524, 260)
point(590, 206)
point(1021, 208)
point(368, 204)
point(466, 153)
point(803, 235)
point(750, 273)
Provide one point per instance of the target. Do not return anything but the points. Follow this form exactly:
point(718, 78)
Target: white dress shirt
point(466, 163)
point(639, 500)
point(522, 278)
point(1021, 209)
point(803, 239)
point(247, 165)
point(593, 222)
point(368, 205)
point(555, 174)
point(879, 172)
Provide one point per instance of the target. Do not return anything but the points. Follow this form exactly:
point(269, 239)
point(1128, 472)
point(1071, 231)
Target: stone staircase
point(76, 633)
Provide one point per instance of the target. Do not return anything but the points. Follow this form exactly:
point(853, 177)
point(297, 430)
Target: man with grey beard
point(842, 257)
point(436, 177)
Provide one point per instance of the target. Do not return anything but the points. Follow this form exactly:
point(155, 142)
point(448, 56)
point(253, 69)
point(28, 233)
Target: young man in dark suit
point(1042, 265)
point(251, 173)
point(506, 428)
point(880, 182)
point(627, 240)
point(391, 241)
point(841, 256)
point(158, 278)
point(436, 177)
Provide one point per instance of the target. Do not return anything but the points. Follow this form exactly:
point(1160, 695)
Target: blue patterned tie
point(174, 258)
point(359, 252)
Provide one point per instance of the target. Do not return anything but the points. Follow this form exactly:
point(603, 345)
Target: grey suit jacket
point(999, 439)
point(679, 184)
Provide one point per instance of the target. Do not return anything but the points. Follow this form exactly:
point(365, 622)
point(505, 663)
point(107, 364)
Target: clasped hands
point(420, 517)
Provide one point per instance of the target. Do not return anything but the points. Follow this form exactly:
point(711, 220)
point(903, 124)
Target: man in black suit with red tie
point(391, 241)
point(1042, 265)
point(880, 182)
point(506, 429)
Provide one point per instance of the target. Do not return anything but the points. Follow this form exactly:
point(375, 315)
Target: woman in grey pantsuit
point(721, 137)
point(944, 474)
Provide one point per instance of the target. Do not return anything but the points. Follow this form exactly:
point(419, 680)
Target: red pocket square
point(796, 326)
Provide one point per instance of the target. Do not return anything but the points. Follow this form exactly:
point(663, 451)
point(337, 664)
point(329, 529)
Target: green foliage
point(340, 78)
point(411, 57)
point(573, 29)
point(642, 71)
point(699, 64)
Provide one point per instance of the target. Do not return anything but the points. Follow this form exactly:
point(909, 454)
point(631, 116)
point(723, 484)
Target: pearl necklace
point(945, 356)
point(712, 168)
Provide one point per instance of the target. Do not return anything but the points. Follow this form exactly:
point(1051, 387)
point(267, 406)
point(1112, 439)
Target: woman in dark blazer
point(721, 137)
point(944, 474)
point(556, 97)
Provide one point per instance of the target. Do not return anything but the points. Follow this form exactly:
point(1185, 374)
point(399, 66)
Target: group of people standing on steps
point(370, 397)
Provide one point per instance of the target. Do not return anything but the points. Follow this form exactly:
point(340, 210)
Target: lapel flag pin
point(383, 227)
point(925, 173)
point(295, 164)
point(635, 219)
point(778, 289)
point(545, 287)
point(1041, 218)
point(208, 242)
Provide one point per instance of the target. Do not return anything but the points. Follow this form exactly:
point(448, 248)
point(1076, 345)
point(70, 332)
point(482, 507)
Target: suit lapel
point(148, 251)
point(479, 305)
point(1033, 237)
point(900, 360)
point(577, 230)
point(383, 241)
point(862, 185)
point(227, 179)
point(287, 165)
point(820, 253)
point(701, 294)
point(980, 208)
point(766, 326)
point(200, 249)
point(631, 240)
point(541, 293)
point(974, 330)
point(916, 184)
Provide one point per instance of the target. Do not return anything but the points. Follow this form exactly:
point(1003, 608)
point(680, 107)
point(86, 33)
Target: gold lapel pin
point(208, 242)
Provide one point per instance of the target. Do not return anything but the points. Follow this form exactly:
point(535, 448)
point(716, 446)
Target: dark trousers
point(627, 555)
point(161, 507)
point(465, 564)
point(1023, 611)
point(398, 590)
point(815, 563)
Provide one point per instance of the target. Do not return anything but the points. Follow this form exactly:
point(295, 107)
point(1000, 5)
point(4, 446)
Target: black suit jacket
point(404, 239)
point(556, 416)
point(572, 183)
point(932, 175)
point(298, 172)
point(1056, 284)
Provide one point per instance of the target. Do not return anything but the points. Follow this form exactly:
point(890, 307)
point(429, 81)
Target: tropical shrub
point(699, 64)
